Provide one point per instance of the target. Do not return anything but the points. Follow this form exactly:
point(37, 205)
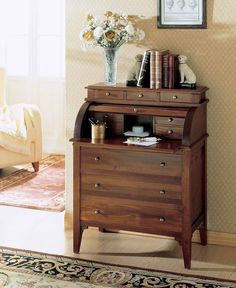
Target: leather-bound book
point(144, 74)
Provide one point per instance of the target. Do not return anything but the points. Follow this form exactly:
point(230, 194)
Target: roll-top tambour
point(130, 162)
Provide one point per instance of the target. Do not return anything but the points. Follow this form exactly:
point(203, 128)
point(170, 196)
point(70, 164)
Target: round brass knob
point(97, 158)
point(108, 93)
point(170, 119)
point(135, 110)
point(175, 97)
point(97, 212)
point(162, 219)
point(162, 164)
point(140, 95)
point(162, 192)
point(96, 185)
point(170, 132)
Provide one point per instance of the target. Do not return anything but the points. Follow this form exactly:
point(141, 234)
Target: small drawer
point(143, 95)
point(109, 94)
point(170, 121)
point(180, 97)
point(169, 132)
point(130, 215)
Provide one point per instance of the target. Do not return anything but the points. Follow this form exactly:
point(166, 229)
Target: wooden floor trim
point(217, 238)
point(214, 237)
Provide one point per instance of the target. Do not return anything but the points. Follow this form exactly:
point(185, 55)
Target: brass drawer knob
point(162, 164)
point(108, 93)
point(97, 212)
point(170, 132)
point(162, 192)
point(162, 219)
point(170, 119)
point(97, 158)
point(96, 185)
point(135, 110)
point(175, 97)
point(140, 95)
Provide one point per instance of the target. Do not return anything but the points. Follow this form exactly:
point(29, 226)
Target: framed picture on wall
point(182, 14)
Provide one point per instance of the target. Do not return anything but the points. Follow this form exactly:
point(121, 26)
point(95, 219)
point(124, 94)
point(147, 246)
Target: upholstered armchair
point(20, 132)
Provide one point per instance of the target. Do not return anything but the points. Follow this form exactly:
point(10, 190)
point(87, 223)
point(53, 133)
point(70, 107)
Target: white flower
point(130, 29)
point(98, 32)
point(113, 30)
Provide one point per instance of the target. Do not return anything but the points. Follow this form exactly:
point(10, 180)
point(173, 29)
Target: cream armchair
point(32, 124)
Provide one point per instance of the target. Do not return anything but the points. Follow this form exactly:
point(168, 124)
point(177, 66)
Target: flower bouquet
point(114, 30)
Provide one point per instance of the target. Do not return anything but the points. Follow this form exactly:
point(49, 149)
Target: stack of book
point(159, 69)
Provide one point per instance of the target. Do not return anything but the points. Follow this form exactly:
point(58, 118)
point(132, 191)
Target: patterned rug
point(43, 190)
point(34, 270)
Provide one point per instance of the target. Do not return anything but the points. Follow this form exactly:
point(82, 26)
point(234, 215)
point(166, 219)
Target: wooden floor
point(45, 232)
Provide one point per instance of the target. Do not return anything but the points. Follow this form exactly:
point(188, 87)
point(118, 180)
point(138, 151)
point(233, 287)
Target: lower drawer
point(131, 215)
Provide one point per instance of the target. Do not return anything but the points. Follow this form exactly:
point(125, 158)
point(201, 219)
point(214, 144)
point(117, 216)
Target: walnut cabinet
point(160, 189)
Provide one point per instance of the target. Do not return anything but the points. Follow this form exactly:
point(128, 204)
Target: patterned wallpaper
point(212, 56)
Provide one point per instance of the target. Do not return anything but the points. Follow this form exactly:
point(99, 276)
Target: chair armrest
point(34, 128)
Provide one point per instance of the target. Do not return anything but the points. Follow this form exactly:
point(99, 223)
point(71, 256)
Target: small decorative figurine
point(134, 71)
point(187, 77)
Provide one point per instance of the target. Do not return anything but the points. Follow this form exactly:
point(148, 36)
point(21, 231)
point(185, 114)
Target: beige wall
point(212, 56)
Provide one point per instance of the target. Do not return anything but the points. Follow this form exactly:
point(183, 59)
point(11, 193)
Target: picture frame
point(182, 14)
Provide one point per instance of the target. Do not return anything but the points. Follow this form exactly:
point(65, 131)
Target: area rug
point(34, 270)
point(43, 190)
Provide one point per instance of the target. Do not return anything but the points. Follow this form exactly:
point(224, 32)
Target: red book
point(173, 71)
point(165, 71)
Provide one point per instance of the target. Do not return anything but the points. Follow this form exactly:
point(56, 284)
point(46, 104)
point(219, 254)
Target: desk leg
point(203, 226)
point(78, 231)
point(187, 250)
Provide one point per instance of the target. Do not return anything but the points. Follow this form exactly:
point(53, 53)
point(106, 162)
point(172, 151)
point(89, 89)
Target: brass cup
point(98, 131)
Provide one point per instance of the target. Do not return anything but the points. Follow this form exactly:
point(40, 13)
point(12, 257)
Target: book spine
point(159, 56)
point(152, 69)
point(173, 71)
point(171, 74)
point(165, 71)
point(143, 68)
point(176, 72)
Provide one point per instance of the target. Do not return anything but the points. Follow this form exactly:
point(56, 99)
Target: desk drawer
point(169, 132)
point(178, 97)
point(133, 186)
point(109, 94)
point(169, 121)
point(130, 215)
point(144, 163)
point(142, 95)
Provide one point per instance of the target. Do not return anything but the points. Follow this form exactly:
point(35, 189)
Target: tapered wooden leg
point(203, 234)
point(187, 250)
point(35, 166)
point(203, 226)
point(102, 229)
point(78, 231)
